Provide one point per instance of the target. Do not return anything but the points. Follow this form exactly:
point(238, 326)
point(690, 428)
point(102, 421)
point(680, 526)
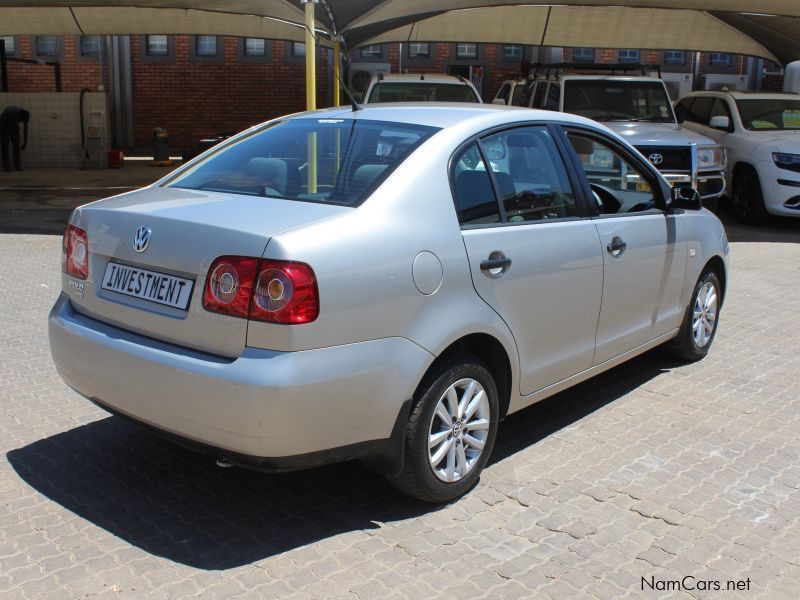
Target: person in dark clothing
point(10, 119)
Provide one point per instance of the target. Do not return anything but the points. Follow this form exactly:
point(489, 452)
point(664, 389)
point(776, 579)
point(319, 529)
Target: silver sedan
point(383, 284)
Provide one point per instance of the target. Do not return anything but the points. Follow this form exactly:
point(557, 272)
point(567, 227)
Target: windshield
point(315, 160)
point(609, 100)
point(769, 113)
point(421, 91)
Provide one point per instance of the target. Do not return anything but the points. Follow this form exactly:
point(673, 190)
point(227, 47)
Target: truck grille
point(673, 158)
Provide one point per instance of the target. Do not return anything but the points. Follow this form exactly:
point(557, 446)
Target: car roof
point(612, 77)
point(447, 114)
point(429, 77)
point(750, 95)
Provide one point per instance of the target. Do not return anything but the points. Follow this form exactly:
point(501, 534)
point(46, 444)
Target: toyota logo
point(142, 238)
point(656, 159)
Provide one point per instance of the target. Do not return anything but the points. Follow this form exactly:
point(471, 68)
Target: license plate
point(148, 285)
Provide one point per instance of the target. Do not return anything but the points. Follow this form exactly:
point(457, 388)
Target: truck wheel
point(450, 432)
point(747, 197)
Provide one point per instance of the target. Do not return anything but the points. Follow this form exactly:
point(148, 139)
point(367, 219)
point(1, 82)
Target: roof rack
point(556, 68)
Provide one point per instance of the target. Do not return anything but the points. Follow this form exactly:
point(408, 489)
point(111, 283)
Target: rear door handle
point(490, 264)
point(616, 247)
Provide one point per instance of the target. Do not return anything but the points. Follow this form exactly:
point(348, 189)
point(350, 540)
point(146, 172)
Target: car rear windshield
point(421, 91)
point(608, 100)
point(769, 113)
point(340, 161)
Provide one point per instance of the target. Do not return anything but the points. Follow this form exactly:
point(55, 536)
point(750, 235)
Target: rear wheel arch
point(491, 352)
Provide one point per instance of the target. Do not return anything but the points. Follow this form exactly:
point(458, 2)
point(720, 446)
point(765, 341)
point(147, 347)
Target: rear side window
point(530, 175)
point(553, 94)
point(316, 160)
point(472, 186)
point(522, 95)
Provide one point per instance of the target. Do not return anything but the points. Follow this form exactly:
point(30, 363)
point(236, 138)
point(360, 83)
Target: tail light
point(274, 291)
point(75, 252)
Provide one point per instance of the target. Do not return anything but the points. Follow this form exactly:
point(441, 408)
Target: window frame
point(723, 65)
point(513, 58)
point(673, 62)
point(583, 60)
point(369, 51)
point(419, 54)
point(462, 56)
point(655, 179)
point(48, 55)
point(294, 49)
point(629, 61)
point(248, 54)
point(13, 38)
point(582, 207)
point(156, 55)
point(203, 56)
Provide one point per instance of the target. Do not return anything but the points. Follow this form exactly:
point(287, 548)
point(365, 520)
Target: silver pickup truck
point(639, 109)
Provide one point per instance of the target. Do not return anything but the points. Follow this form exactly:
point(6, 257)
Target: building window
point(512, 52)
point(629, 56)
point(419, 50)
point(11, 46)
point(675, 57)
point(206, 45)
point(374, 51)
point(719, 59)
point(255, 47)
point(90, 45)
point(298, 49)
point(583, 55)
point(157, 45)
point(466, 50)
point(47, 45)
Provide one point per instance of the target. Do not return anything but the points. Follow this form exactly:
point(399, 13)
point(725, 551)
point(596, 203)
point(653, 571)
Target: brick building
point(197, 86)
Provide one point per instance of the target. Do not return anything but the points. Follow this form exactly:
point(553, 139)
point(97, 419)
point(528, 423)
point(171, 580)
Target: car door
point(532, 257)
point(644, 250)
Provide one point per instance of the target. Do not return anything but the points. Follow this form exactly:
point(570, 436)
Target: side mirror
point(720, 122)
point(686, 198)
point(680, 113)
point(499, 101)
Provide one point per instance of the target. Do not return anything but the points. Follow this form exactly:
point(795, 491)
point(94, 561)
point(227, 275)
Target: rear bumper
point(277, 410)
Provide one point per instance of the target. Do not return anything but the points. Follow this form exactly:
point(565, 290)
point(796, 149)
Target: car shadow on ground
point(176, 504)
point(778, 230)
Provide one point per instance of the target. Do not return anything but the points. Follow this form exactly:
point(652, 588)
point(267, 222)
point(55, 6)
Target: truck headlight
point(712, 157)
point(791, 162)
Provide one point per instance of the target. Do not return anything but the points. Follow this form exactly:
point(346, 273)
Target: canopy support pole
point(337, 70)
point(311, 55)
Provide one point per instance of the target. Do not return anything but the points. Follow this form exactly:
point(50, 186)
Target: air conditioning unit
point(732, 82)
point(361, 73)
point(678, 84)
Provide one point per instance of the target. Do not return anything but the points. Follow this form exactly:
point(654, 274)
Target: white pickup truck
point(638, 108)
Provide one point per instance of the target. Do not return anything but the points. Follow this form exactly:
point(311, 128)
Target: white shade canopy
point(765, 28)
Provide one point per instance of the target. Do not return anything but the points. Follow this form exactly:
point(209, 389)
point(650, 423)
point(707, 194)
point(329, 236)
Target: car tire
point(444, 452)
point(748, 198)
point(695, 338)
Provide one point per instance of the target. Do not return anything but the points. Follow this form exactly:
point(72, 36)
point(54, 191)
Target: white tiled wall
point(54, 133)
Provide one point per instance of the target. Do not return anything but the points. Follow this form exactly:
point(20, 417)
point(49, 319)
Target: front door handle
point(617, 247)
point(490, 264)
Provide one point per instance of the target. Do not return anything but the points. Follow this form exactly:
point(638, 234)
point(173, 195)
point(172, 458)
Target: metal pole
point(337, 71)
point(311, 67)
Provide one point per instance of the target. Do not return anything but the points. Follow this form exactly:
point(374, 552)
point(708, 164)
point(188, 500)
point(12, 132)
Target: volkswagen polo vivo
point(383, 284)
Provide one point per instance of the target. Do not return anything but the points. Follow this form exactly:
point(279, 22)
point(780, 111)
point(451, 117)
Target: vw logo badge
point(656, 159)
point(142, 238)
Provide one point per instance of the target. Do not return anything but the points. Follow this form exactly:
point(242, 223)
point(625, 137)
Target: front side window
point(336, 161)
point(629, 56)
point(553, 97)
point(618, 185)
point(47, 45)
point(419, 50)
point(255, 47)
point(421, 91)
point(700, 110)
point(618, 100)
point(769, 113)
point(503, 93)
point(521, 95)
point(467, 50)
point(529, 173)
point(157, 45)
point(206, 45)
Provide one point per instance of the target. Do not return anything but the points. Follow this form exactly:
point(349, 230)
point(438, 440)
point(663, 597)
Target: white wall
point(54, 133)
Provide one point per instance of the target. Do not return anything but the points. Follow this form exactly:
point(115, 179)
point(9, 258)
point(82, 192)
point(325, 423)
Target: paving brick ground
point(653, 471)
